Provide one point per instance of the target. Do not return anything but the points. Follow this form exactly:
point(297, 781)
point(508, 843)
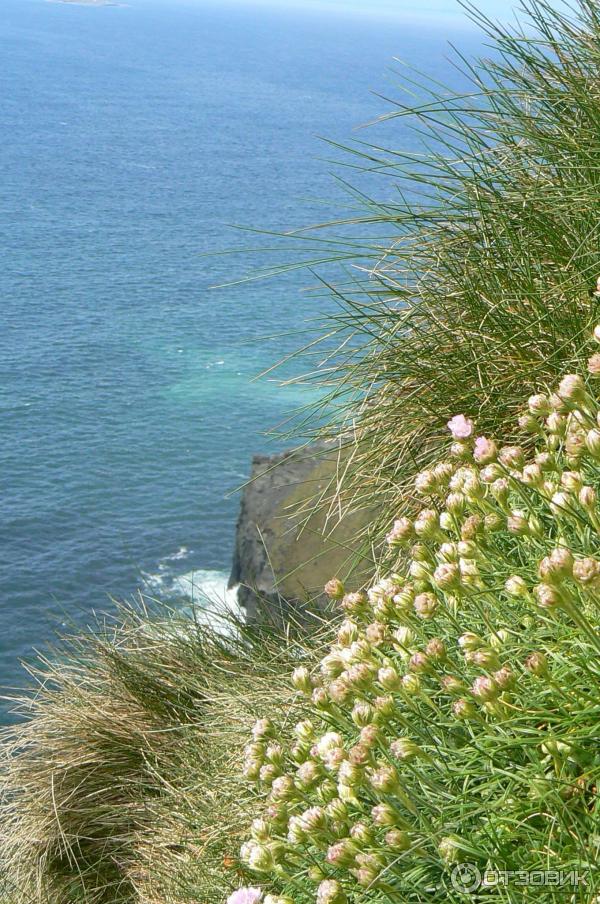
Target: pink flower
point(246, 895)
point(460, 426)
point(485, 450)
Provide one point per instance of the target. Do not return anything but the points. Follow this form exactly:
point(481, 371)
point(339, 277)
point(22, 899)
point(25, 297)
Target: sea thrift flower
point(537, 664)
point(405, 749)
point(587, 498)
point(485, 450)
point(539, 405)
point(342, 853)
point(402, 531)
point(246, 895)
point(331, 892)
point(572, 389)
point(547, 596)
point(334, 589)
point(425, 605)
point(485, 688)
point(593, 365)
point(450, 849)
point(301, 680)
point(460, 427)
point(586, 571)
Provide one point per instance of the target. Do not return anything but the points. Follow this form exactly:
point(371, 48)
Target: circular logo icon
point(466, 878)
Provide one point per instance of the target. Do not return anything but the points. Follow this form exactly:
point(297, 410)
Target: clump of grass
point(455, 718)
point(484, 282)
point(121, 785)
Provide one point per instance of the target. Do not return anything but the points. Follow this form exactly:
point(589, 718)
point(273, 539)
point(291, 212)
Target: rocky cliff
point(286, 546)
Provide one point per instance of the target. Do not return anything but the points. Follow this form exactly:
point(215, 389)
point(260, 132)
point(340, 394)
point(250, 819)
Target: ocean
point(133, 138)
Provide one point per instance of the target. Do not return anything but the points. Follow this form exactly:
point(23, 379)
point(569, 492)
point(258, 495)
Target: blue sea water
point(132, 136)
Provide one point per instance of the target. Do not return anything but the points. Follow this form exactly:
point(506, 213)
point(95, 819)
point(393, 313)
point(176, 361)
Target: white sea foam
point(203, 593)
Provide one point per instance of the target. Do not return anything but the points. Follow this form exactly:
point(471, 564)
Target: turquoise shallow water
point(132, 137)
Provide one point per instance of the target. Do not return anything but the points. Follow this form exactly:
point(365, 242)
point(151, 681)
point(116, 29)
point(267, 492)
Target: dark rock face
point(285, 548)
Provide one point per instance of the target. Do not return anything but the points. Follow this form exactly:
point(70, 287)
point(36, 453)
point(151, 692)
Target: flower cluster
point(456, 715)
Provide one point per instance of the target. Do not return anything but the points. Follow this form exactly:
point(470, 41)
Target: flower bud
point(384, 708)
point(320, 699)
point(426, 483)
point(586, 571)
point(539, 405)
point(571, 389)
point(515, 586)
point(398, 840)
point(361, 834)
point(419, 571)
point(376, 633)
point(447, 575)
point(342, 854)
point(587, 498)
point(484, 688)
point(308, 774)
point(268, 773)
point(327, 742)
point(485, 659)
point(556, 424)
point(470, 641)
point(370, 735)
point(498, 639)
point(419, 662)
point(446, 521)
point(512, 457)
point(332, 665)
point(283, 788)
point(557, 566)
point(529, 424)
point(334, 589)
point(425, 605)
point(257, 856)
point(537, 664)
point(263, 728)
point(274, 754)
point(331, 892)
point(449, 849)
point(532, 475)
point(339, 690)
point(404, 638)
point(592, 442)
point(389, 678)
point(354, 603)
point(596, 333)
point(427, 524)
point(362, 713)
point(402, 532)
point(463, 709)
point(593, 365)
point(451, 684)
point(547, 596)
point(404, 749)
point(455, 503)
point(301, 680)
point(504, 678)
point(500, 490)
point(518, 524)
point(384, 815)
point(384, 779)
point(411, 684)
point(359, 755)
point(485, 450)
point(436, 650)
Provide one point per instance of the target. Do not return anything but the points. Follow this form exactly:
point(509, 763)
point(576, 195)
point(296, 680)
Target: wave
point(202, 593)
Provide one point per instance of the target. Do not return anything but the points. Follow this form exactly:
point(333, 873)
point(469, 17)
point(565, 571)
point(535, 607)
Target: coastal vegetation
point(448, 716)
